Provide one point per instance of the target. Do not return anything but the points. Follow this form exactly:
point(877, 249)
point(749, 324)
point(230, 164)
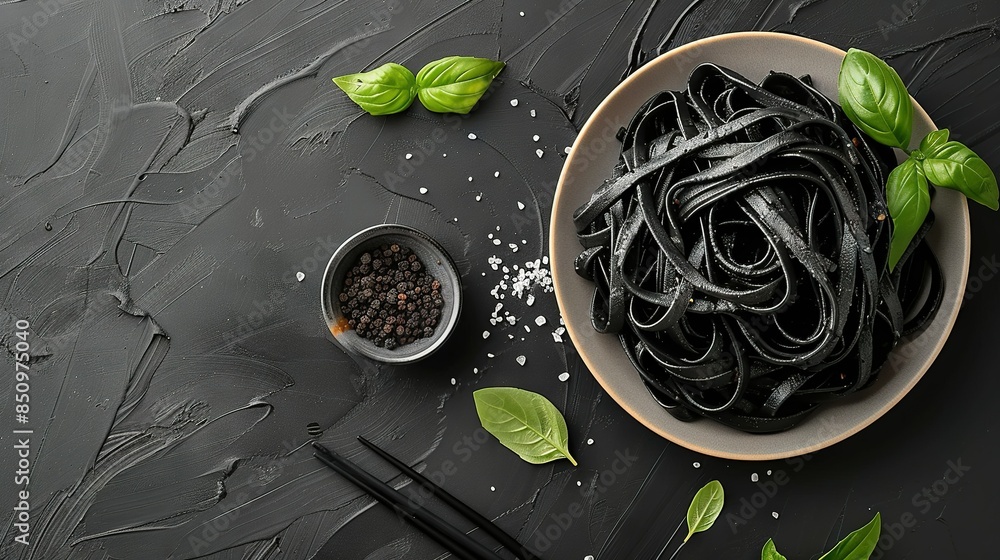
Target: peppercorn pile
point(390, 299)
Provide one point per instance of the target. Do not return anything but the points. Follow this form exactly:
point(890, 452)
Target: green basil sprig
point(874, 98)
point(526, 423)
point(701, 515)
point(909, 200)
point(770, 552)
point(455, 84)
point(451, 85)
point(859, 545)
point(388, 89)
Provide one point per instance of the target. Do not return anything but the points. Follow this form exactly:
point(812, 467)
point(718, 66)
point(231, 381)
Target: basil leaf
point(933, 140)
point(874, 98)
point(909, 200)
point(859, 545)
point(770, 552)
point(524, 422)
point(455, 84)
point(386, 90)
point(954, 166)
point(705, 508)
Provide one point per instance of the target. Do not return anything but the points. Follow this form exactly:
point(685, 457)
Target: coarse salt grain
point(423, 190)
point(536, 138)
point(556, 337)
point(496, 173)
point(479, 197)
point(486, 334)
point(497, 242)
point(520, 205)
point(493, 488)
point(567, 149)
point(522, 14)
point(539, 153)
point(521, 360)
point(754, 477)
point(472, 136)
point(453, 381)
point(470, 179)
point(774, 514)
point(531, 298)
point(300, 276)
point(590, 441)
point(696, 465)
point(409, 156)
point(490, 355)
point(533, 113)
point(540, 320)
point(564, 376)
point(513, 102)
point(768, 473)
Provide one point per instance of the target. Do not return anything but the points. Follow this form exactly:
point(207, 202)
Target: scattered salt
point(564, 376)
point(521, 360)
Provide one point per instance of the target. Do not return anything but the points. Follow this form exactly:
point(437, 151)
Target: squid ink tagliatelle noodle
point(740, 251)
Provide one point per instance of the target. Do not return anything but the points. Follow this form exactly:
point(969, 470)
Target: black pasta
point(740, 252)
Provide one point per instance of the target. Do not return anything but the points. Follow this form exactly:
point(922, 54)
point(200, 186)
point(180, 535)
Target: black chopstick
point(471, 514)
point(447, 535)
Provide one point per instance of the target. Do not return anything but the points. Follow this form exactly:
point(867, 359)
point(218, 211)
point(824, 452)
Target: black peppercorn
point(390, 299)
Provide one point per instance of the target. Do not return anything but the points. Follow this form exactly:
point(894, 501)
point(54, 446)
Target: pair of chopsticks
point(460, 544)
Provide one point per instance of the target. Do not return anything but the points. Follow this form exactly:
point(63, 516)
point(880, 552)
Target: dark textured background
point(177, 360)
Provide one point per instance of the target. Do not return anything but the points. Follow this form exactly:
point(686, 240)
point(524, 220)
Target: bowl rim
point(602, 379)
point(327, 302)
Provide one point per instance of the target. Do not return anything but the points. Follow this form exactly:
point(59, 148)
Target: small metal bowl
point(436, 262)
